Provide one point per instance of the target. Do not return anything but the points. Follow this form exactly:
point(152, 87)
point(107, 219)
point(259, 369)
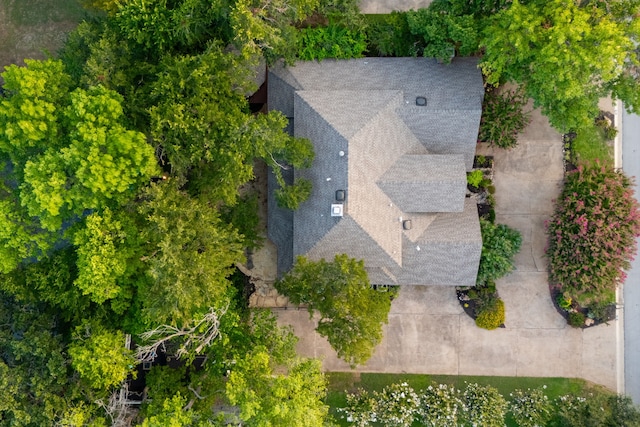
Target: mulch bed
point(469, 305)
point(610, 312)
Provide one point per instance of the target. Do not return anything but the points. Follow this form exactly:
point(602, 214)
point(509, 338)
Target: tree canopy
point(566, 55)
point(351, 312)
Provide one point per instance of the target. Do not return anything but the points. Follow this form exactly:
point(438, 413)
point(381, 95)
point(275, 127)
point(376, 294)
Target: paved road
point(631, 165)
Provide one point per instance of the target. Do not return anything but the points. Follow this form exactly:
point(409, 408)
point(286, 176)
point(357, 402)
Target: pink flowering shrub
point(592, 234)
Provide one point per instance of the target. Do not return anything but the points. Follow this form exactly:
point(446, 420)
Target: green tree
point(351, 312)
point(99, 356)
point(191, 253)
point(266, 398)
point(566, 57)
point(37, 384)
point(104, 253)
point(444, 34)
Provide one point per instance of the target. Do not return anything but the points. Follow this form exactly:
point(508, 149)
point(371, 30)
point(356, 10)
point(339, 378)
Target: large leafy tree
point(191, 253)
point(266, 398)
point(566, 56)
point(351, 312)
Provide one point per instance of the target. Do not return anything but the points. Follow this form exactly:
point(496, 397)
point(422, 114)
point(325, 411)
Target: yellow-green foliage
point(492, 316)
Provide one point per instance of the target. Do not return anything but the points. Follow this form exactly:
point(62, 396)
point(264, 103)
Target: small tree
point(398, 405)
point(592, 234)
point(351, 312)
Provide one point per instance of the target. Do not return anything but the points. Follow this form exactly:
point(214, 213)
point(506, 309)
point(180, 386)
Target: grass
point(35, 28)
point(590, 146)
point(339, 382)
point(38, 12)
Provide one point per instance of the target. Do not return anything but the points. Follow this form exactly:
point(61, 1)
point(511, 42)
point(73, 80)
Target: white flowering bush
point(530, 408)
point(484, 406)
point(398, 405)
point(361, 409)
point(441, 406)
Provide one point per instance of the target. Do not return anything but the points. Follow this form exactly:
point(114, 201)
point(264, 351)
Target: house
point(394, 138)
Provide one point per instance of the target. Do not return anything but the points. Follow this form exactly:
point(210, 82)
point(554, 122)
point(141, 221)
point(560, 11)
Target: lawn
point(341, 381)
point(35, 28)
point(590, 146)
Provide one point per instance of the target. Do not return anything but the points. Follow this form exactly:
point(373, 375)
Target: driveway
point(429, 333)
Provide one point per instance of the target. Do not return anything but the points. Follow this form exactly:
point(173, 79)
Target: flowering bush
point(397, 405)
point(592, 234)
point(361, 409)
point(484, 406)
point(441, 406)
point(530, 408)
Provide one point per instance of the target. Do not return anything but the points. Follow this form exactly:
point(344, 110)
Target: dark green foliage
point(503, 117)
point(594, 410)
point(291, 196)
point(443, 35)
point(499, 245)
point(333, 41)
point(576, 319)
point(389, 35)
point(477, 8)
point(352, 313)
point(592, 234)
point(244, 218)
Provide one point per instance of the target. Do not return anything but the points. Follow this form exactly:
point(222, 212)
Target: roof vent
point(406, 224)
point(336, 209)
point(340, 195)
point(421, 101)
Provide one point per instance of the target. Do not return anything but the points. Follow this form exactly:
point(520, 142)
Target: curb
point(620, 355)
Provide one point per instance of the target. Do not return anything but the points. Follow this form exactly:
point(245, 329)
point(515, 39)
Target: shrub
point(491, 316)
point(499, 245)
point(576, 319)
point(441, 406)
point(592, 234)
point(474, 178)
point(530, 408)
point(333, 41)
point(503, 117)
point(484, 405)
point(397, 405)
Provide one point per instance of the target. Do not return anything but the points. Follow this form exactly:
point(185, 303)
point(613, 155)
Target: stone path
point(428, 331)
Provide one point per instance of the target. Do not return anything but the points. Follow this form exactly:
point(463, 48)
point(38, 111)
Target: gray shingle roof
point(395, 161)
point(426, 183)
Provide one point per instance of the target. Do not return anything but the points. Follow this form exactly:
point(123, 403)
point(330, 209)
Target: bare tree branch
point(193, 339)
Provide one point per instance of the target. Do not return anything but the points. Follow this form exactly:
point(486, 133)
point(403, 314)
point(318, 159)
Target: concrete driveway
point(429, 333)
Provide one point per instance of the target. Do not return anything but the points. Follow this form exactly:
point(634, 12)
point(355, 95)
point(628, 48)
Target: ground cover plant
point(592, 235)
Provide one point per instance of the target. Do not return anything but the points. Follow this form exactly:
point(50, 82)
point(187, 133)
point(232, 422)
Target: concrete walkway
point(387, 6)
point(429, 333)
